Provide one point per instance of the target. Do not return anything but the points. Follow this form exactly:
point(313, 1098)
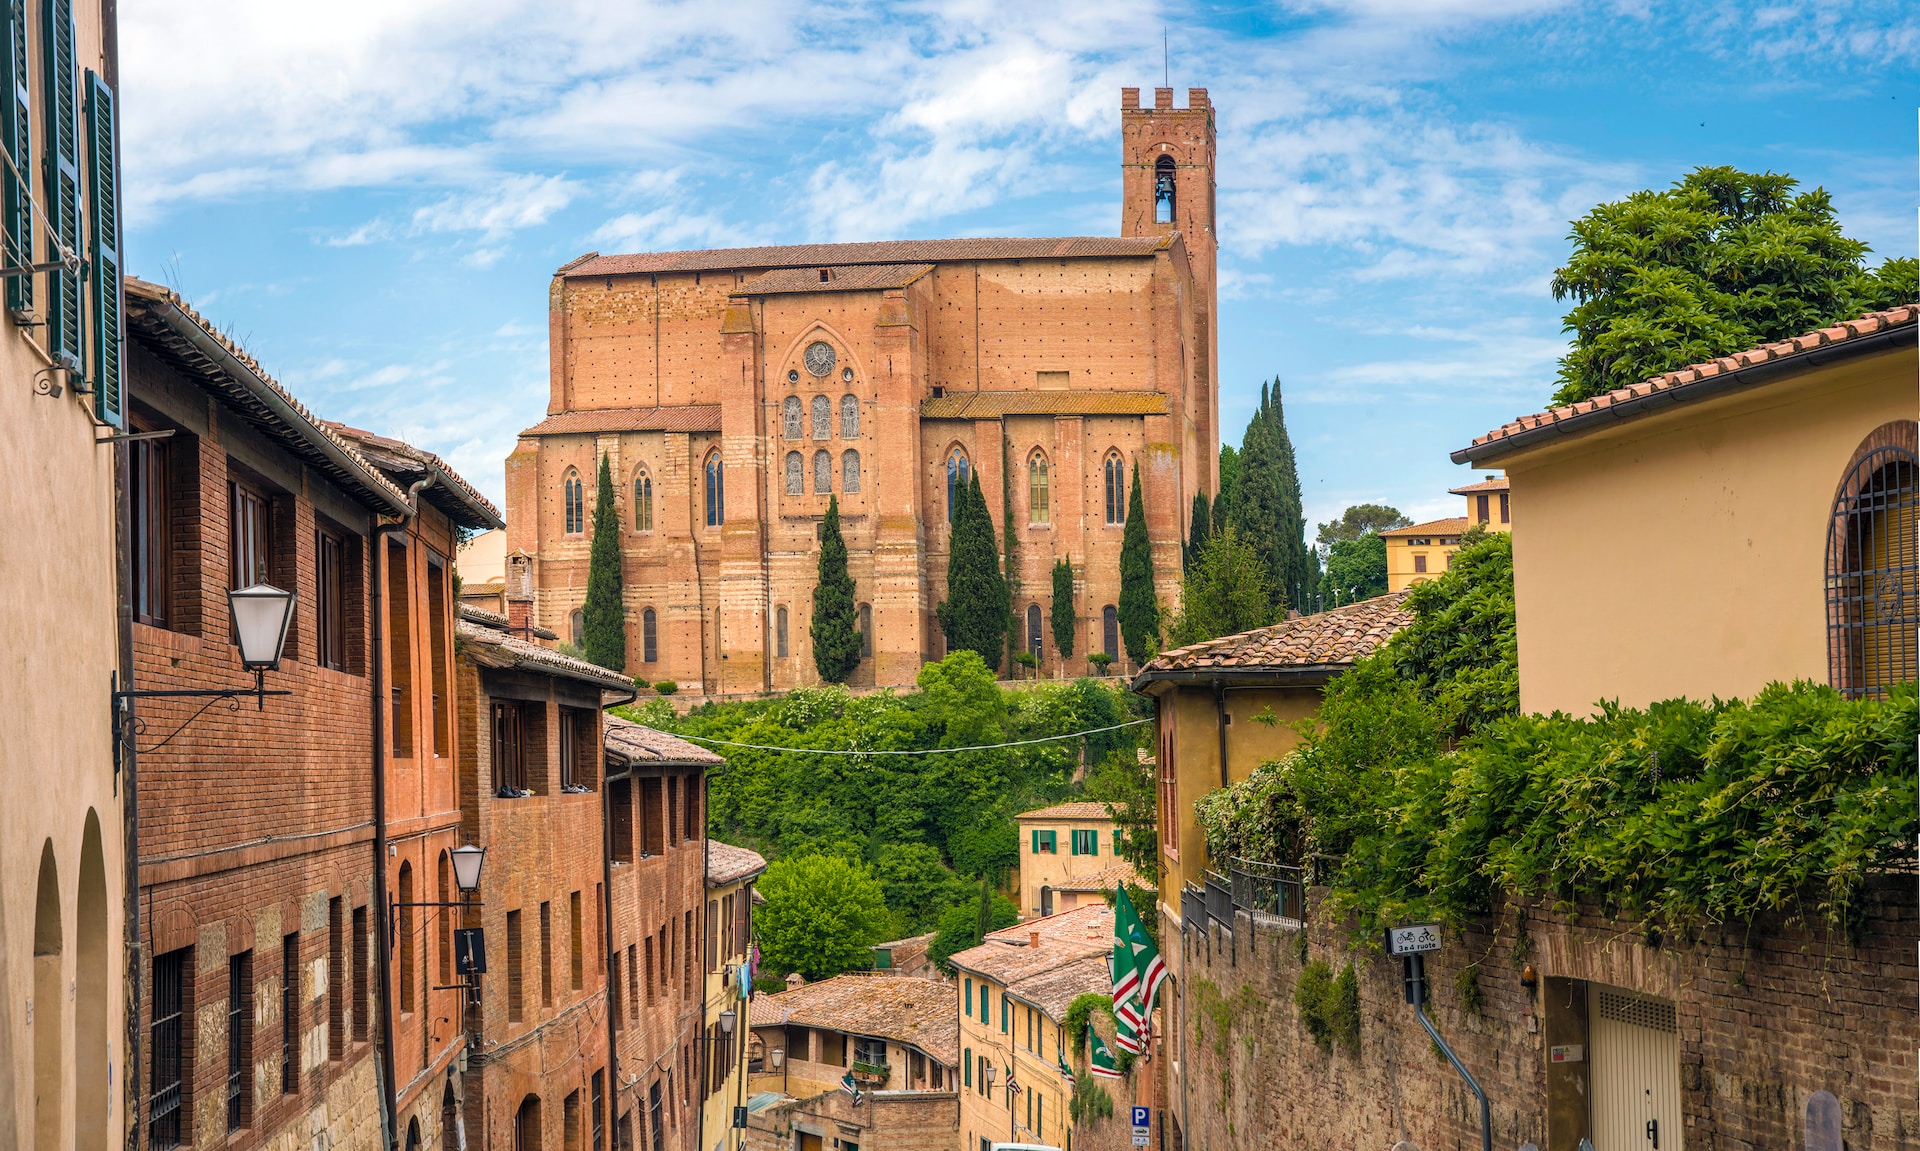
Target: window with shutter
point(103, 248)
point(63, 179)
point(16, 136)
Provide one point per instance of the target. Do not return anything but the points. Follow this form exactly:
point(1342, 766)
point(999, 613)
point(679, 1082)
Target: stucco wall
point(1685, 553)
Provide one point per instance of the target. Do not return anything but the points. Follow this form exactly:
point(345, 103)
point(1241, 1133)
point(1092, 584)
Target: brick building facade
point(530, 786)
point(256, 824)
point(734, 391)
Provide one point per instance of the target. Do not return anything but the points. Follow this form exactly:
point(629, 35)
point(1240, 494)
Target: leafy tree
point(1139, 608)
point(1721, 261)
point(1266, 502)
point(1357, 568)
point(960, 927)
point(1065, 623)
point(974, 614)
point(1229, 477)
point(917, 884)
point(960, 699)
point(1225, 593)
point(1127, 787)
point(836, 634)
point(822, 916)
point(1199, 529)
point(604, 626)
point(1360, 519)
point(988, 848)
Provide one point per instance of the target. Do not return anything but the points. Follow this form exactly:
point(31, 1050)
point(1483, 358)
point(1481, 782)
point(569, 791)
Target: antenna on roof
point(1166, 60)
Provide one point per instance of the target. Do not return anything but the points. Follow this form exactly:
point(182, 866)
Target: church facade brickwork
point(734, 392)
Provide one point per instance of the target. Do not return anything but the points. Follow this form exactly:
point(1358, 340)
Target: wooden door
point(1636, 1072)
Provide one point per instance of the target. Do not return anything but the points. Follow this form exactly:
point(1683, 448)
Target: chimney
point(794, 980)
point(1033, 939)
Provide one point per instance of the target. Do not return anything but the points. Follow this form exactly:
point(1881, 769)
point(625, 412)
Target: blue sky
point(372, 195)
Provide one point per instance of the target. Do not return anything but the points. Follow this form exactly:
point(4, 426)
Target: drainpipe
point(382, 930)
point(612, 1100)
point(706, 1049)
point(1220, 709)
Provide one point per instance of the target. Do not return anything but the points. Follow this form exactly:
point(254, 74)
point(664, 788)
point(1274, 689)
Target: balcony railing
point(1273, 888)
point(871, 1072)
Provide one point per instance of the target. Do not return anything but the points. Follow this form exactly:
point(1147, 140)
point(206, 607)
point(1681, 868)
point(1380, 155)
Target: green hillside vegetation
point(924, 828)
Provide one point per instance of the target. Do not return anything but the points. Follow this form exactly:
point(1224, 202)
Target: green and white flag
point(1126, 1036)
point(1066, 1072)
point(1138, 970)
point(1104, 1064)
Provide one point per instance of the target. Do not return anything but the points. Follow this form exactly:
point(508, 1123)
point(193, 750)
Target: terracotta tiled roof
point(1451, 526)
point(1054, 991)
point(841, 278)
point(493, 647)
point(904, 1008)
point(1105, 879)
point(1675, 386)
point(875, 252)
point(1080, 810)
point(403, 463)
point(729, 864)
point(1496, 484)
point(689, 418)
point(494, 619)
point(167, 324)
point(637, 743)
point(992, 405)
point(1336, 637)
point(1007, 956)
point(929, 937)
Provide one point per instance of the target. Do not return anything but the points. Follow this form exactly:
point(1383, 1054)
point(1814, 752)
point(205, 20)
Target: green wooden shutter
point(1093, 842)
point(969, 997)
point(63, 179)
point(1036, 841)
point(16, 136)
point(103, 254)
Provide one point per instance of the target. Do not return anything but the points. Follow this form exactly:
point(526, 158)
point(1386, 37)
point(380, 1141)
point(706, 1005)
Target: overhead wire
point(927, 751)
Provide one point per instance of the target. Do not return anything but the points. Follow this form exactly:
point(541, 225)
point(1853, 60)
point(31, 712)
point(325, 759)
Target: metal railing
point(871, 1072)
point(1219, 896)
point(1274, 888)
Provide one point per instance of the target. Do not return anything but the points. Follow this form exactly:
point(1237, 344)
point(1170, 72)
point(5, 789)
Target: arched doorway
point(93, 1102)
point(49, 1015)
point(1046, 901)
point(450, 1139)
point(413, 1134)
point(526, 1125)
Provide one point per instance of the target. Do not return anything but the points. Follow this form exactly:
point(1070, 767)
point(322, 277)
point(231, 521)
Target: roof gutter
point(1739, 379)
point(1305, 675)
point(245, 376)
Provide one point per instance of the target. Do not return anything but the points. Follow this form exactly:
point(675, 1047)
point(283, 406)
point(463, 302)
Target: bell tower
point(1166, 163)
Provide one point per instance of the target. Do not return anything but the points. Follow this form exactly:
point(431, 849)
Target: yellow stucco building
point(726, 1033)
point(1418, 552)
point(1014, 991)
point(1067, 857)
point(1722, 526)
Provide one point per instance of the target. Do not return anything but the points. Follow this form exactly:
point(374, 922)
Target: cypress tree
point(1065, 623)
point(1199, 530)
point(1255, 511)
point(1139, 610)
point(604, 617)
point(1229, 472)
point(836, 638)
point(974, 614)
point(1299, 572)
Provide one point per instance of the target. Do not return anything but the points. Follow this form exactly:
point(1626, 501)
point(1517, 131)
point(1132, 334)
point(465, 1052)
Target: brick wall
point(1766, 1015)
point(893, 1120)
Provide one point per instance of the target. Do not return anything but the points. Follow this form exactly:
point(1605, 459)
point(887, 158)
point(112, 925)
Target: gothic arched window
point(1110, 631)
point(822, 418)
point(1033, 630)
point(649, 637)
point(1873, 566)
point(791, 418)
point(1039, 499)
point(957, 473)
point(642, 501)
point(1116, 481)
point(822, 472)
point(575, 497)
point(780, 631)
point(866, 631)
point(1163, 190)
point(849, 418)
point(850, 471)
point(716, 490)
point(796, 474)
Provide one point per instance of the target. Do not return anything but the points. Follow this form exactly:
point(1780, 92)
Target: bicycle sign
point(1413, 939)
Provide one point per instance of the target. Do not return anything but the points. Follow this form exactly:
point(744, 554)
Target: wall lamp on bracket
point(261, 616)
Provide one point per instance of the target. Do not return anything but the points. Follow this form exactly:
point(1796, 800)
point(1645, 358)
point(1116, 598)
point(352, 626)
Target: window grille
point(822, 473)
point(239, 1035)
point(849, 417)
point(1039, 501)
point(822, 418)
point(796, 474)
point(791, 418)
point(165, 1123)
point(290, 1014)
point(1873, 574)
point(850, 471)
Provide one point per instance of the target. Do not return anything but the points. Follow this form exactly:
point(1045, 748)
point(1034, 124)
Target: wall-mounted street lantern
point(466, 867)
point(261, 616)
point(469, 943)
point(727, 1019)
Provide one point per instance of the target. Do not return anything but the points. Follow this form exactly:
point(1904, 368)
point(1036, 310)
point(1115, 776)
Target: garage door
point(1636, 1072)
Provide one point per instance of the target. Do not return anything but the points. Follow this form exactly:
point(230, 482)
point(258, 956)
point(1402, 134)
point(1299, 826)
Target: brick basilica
point(734, 390)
